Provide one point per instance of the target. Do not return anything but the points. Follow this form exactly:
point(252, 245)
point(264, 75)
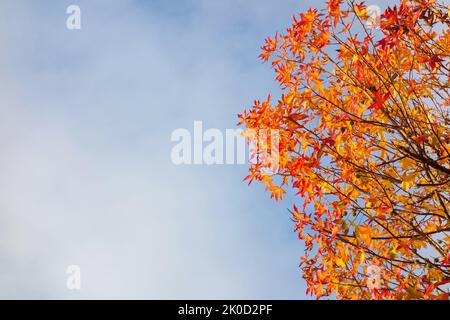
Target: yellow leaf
point(365, 234)
point(340, 263)
point(393, 252)
point(362, 257)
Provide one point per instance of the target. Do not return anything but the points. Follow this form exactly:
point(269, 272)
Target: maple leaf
point(379, 100)
point(298, 116)
point(434, 61)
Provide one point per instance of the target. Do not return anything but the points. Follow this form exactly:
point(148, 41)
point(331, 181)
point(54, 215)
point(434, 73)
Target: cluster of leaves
point(365, 143)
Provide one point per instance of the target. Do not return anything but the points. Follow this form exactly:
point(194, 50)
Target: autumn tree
point(364, 144)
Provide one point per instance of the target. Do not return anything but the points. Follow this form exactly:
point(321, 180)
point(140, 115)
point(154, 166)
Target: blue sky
point(85, 172)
